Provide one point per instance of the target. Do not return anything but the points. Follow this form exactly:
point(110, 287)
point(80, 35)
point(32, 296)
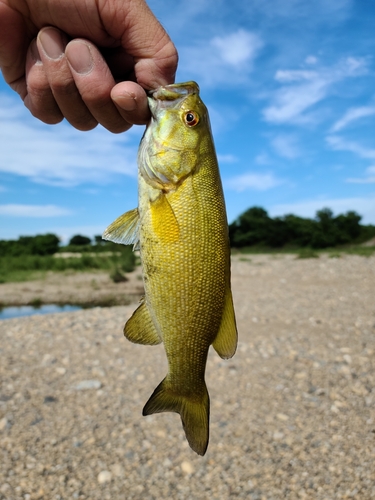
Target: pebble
point(84, 385)
point(187, 467)
point(104, 476)
point(3, 423)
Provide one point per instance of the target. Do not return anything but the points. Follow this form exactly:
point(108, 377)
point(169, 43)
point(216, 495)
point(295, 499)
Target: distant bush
point(256, 228)
point(79, 240)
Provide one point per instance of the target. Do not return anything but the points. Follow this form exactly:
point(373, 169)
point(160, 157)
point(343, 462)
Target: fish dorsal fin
point(124, 229)
point(225, 343)
point(140, 328)
point(164, 222)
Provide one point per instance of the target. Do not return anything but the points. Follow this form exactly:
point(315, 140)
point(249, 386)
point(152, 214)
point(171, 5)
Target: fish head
point(175, 138)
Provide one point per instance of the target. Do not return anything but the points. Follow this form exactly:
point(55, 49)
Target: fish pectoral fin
point(225, 343)
point(194, 412)
point(140, 328)
point(164, 222)
point(124, 229)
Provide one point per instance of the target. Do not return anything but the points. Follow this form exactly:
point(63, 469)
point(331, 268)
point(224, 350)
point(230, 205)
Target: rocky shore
point(292, 414)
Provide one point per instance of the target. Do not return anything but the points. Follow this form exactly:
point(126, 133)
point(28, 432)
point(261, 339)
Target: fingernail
point(52, 43)
point(79, 57)
point(35, 52)
point(126, 101)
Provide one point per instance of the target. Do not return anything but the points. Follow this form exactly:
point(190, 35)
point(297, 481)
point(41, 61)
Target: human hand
point(86, 61)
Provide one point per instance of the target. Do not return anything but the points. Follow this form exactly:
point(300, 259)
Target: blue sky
point(290, 86)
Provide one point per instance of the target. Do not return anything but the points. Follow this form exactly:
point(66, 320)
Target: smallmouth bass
point(181, 230)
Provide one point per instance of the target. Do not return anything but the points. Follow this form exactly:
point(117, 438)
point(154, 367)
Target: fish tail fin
point(194, 411)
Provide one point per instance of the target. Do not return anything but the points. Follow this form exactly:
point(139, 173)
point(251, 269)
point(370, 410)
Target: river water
point(16, 312)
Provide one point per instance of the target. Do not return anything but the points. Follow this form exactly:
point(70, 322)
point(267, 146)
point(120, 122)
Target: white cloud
point(60, 155)
point(351, 115)
point(227, 58)
point(286, 146)
point(263, 159)
point(303, 89)
point(259, 182)
point(363, 206)
point(295, 75)
point(339, 144)
point(16, 210)
point(311, 60)
point(227, 158)
point(237, 48)
point(368, 179)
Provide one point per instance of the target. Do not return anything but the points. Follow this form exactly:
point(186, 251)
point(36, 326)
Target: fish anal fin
point(194, 412)
point(140, 328)
point(124, 229)
point(225, 343)
point(164, 222)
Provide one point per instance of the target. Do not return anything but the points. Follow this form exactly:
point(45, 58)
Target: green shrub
point(117, 276)
point(307, 253)
point(78, 239)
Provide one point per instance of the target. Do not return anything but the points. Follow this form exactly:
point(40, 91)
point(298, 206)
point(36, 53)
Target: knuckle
point(64, 88)
point(118, 128)
point(82, 121)
point(44, 110)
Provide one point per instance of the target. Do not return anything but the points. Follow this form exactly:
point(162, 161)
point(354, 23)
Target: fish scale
point(180, 228)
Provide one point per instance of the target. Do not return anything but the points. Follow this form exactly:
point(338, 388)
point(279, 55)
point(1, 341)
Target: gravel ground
point(292, 414)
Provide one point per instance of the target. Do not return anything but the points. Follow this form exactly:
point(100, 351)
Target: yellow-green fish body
point(181, 229)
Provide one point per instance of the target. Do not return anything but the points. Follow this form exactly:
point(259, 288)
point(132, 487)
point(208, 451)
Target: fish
point(181, 231)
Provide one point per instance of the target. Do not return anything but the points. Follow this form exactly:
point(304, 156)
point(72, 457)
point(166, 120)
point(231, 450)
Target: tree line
point(41, 244)
point(49, 244)
point(255, 227)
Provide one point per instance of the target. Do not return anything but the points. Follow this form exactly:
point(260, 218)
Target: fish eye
point(191, 118)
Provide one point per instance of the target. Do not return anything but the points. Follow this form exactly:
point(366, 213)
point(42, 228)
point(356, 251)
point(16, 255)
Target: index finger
point(144, 38)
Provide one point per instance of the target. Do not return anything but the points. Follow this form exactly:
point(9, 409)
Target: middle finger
point(51, 44)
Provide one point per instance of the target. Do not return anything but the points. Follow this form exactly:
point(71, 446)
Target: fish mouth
point(170, 96)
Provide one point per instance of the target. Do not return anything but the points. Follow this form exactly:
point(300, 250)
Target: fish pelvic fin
point(140, 328)
point(124, 229)
point(225, 343)
point(194, 411)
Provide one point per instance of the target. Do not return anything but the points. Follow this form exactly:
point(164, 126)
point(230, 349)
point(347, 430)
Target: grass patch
point(31, 267)
point(14, 276)
point(335, 255)
point(362, 251)
point(307, 253)
point(36, 303)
